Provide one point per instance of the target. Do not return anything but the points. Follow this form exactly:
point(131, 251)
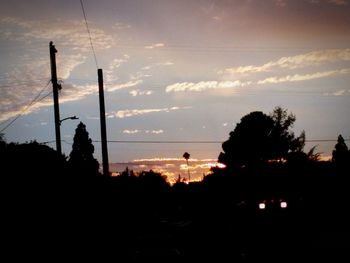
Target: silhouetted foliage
point(33, 161)
point(283, 139)
point(152, 181)
point(2, 146)
point(259, 138)
point(341, 157)
point(341, 152)
point(81, 159)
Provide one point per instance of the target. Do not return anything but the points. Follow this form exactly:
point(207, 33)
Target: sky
point(184, 70)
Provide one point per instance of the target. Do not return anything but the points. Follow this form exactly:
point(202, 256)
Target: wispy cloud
point(135, 131)
point(166, 63)
point(216, 18)
point(160, 159)
point(156, 45)
point(137, 112)
point(138, 92)
point(24, 81)
point(171, 167)
point(70, 33)
point(338, 2)
point(111, 72)
point(313, 58)
point(121, 26)
point(338, 93)
point(281, 3)
point(129, 84)
point(131, 131)
point(205, 85)
point(68, 93)
point(159, 64)
point(298, 77)
point(155, 131)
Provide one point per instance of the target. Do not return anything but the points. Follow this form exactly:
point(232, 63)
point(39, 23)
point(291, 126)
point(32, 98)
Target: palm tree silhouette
point(187, 156)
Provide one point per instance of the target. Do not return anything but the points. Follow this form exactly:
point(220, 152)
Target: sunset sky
point(175, 70)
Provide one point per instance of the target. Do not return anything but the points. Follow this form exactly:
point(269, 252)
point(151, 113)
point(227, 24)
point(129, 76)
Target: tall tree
point(259, 138)
point(282, 138)
point(341, 152)
point(81, 158)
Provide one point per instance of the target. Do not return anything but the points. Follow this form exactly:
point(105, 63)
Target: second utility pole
point(56, 87)
point(105, 162)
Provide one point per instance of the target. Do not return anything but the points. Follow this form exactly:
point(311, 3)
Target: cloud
point(171, 167)
point(138, 92)
point(121, 26)
point(68, 93)
point(156, 45)
point(333, 2)
point(111, 74)
point(166, 63)
point(68, 63)
point(160, 159)
point(131, 131)
point(155, 131)
point(136, 112)
point(298, 77)
point(205, 85)
point(281, 3)
point(70, 33)
point(338, 2)
point(159, 64)
point(24, 81)
point(140, 131)
point(313, 58)
point(338, 93)
point(129, 84)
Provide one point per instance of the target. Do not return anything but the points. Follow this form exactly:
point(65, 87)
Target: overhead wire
point(35, 100)
point(194, 142)
point(89, 33)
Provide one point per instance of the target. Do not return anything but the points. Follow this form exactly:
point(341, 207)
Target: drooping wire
point(198, 142)
point(34, 101)
point(89, 33)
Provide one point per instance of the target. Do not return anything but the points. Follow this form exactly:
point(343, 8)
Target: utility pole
point(56, 87)
point(103, 124)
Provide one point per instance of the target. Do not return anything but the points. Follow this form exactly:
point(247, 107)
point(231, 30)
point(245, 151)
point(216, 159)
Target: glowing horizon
point(175, 70)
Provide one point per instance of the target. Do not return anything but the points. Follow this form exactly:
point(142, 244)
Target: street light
point(69, 118)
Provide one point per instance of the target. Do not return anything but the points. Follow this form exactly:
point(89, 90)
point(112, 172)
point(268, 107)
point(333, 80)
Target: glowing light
point(221, 165)
point(262, 206)
point(283, 204)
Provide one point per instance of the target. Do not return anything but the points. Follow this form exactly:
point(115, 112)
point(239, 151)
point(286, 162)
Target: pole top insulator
point(52, 46)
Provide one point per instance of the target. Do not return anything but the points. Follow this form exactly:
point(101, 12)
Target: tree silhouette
point(81, 159)
point(341, 153)
point(282, 139)
point(259, 138)
point(186, 155)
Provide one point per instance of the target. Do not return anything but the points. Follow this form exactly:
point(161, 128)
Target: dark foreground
point(96, 222)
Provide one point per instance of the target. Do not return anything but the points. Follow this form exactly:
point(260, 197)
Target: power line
point(89, 33)
point(54, 141)
point(165, 142)
point(206, 48)
point(34, 101)
point(193, 142)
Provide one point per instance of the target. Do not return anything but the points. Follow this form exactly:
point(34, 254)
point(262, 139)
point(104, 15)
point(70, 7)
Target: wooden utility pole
point(56, 87)
point(105, 163)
